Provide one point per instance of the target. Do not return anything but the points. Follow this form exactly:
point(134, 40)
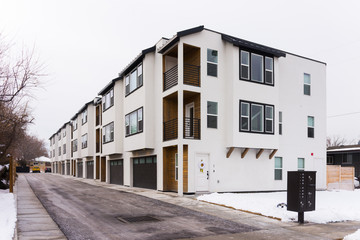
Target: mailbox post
point(301, 189)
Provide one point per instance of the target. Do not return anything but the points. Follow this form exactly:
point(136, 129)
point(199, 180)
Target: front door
point(189, 120)
point(202, 172)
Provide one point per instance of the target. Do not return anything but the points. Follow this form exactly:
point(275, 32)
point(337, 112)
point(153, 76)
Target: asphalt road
point(85, 211)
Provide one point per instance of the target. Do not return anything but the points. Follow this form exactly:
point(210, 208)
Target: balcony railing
point(192, 128)
point(171, 78)
point(191, 76)
point(170, 130)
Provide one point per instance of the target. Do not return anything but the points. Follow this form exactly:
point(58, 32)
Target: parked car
point(356, 182)
point(48, 170)
point(36, 169)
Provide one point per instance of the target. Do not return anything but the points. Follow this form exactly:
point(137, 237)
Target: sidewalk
point(33, 221)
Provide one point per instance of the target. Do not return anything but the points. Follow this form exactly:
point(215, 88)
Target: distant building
point(201, 111)
point(346, 156)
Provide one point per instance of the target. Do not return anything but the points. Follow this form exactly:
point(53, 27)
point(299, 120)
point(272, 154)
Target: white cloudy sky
point(86, 43)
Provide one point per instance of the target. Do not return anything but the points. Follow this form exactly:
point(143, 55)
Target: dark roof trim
point(253, 46)
point(107, 87)
point(180, 34)
point(135, 62)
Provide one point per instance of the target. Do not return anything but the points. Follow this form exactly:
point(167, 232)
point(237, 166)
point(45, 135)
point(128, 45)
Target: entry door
point(202, 172)
point(189, 120)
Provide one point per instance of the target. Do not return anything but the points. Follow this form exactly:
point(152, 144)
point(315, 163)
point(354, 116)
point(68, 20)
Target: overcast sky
point(84, 44)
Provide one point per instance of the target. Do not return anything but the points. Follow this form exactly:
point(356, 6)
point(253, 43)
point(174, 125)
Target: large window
point(134, 122)
point(108, 133)
point(74, 124)
point(212, 114)
point(278, 168)
point(212, 63)
point(134, 80)
point(74, 145)
point(108, 99)
point(256, 68)
point(307, 84)
point(84, 139)
point(347, 158)
point(256, 117)
point(84, 117)
point(301, 164)
point(311, 127)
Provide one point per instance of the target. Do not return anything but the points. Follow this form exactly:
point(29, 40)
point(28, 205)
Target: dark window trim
point(142, 82)
point(264, 117)
point(82, 117)
point(82, 147)
point(103, 142)
point(146, 156)
point(136, 120)
point(310, 127)
point(217, 64)
point(102, 104)
point(250, 51)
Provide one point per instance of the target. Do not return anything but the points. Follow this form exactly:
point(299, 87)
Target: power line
point(344, 114)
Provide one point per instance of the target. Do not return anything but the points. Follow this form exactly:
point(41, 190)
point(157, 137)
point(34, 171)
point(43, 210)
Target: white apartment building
point(204, 111)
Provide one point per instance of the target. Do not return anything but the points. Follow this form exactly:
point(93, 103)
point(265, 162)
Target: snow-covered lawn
point(7, 215)
point(331, 206)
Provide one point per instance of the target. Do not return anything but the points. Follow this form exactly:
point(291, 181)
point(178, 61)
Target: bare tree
point(335, 141)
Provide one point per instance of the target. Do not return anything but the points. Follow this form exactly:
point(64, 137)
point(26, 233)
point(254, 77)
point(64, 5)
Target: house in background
point(346, 156)
point(205, 111)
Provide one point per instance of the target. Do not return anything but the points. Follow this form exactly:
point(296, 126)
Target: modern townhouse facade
point(205, 111)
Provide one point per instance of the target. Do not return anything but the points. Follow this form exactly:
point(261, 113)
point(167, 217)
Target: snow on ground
point(354, 236)
point(8, 215)
point(331, 206)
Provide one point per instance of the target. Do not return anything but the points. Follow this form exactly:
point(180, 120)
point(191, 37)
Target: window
point(278, 168)
point(134, 122)
point(245, 65)
point(330, 160)
point(307, 84)
point(54, 140)
point(74, 123)
point(212, 62)
point(84, 117)
point(59, 135)
point(244, 118)
point(256, 117)
point(59, 151)
point(176, 167)
point(280, 123)
point(64, 133)
point(50, 142)
point(212, 112)
point(64, 149)
point(53, 153)
point(134, 80)
point(301, 164)
point(74, 145)
point(50, 154)
point(108, 99)
point(256, 68)
point(311, 125)
point(84, 141)
point(108, 133)
point(347, 158)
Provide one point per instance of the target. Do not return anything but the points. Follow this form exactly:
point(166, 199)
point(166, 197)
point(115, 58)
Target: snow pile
point(354, 236)
point(331, 206)
point(8, 215)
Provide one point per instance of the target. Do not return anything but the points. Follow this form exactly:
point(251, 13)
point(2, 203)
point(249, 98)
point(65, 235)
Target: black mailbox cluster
point(301, 191)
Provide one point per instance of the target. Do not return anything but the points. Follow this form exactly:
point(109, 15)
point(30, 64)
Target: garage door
point(67, 168)
point(80, 169)
point(144, 171)
point(116, 172)
point(90, 169)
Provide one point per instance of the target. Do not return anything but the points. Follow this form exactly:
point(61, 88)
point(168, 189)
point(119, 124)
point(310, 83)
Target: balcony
point(191, 76)
point(192, 128)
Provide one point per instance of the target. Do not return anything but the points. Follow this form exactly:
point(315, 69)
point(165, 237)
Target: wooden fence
point(340, 177)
